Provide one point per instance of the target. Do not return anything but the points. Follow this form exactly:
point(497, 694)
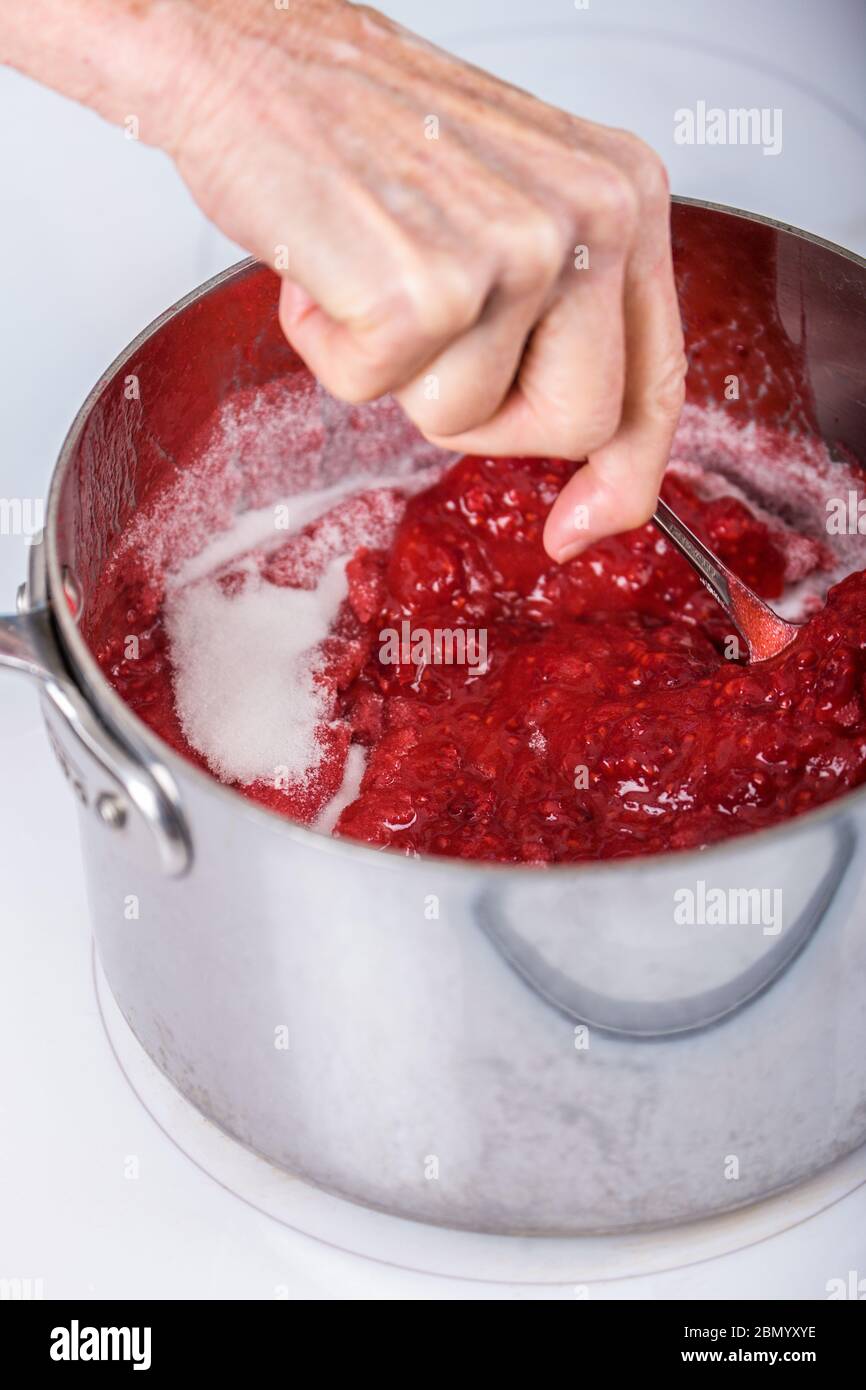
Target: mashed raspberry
point(601, 711)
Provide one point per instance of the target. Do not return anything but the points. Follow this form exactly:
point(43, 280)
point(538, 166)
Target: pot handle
point(567, 946)
point(131, 795)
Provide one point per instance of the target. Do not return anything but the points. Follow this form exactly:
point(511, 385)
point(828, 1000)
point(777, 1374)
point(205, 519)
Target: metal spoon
point(763, 631)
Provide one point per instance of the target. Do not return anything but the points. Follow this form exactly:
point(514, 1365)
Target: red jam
point(608, 720)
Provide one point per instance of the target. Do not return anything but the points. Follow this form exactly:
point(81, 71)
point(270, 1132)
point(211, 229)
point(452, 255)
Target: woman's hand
point(502, 267)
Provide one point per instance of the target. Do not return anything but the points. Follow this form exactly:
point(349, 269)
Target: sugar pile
point(249, 686)
point(245, 672)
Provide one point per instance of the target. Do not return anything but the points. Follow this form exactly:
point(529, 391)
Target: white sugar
point(356, 766)
point(246, 652)
point(259, 528)
point(245, 668)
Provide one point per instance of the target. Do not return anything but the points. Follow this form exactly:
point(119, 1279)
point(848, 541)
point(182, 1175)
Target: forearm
point(144, 58)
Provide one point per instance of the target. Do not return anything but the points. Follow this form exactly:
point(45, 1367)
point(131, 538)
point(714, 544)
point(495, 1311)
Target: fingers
point(584, 361)
point(467, 383)
point(449, 340)
point(379, 342)
point(618, 488)
point(567, 398)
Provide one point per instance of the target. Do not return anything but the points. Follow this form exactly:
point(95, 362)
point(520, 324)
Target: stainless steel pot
point(501, 1049)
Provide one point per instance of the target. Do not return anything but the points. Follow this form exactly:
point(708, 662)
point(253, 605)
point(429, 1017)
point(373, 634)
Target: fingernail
point(567, 535)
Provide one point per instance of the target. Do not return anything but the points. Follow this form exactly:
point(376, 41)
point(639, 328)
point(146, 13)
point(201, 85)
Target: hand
point(432, 218)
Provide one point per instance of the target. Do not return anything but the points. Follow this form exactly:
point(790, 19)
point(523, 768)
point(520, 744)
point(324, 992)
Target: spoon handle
point(763, 631)
point(713, 573)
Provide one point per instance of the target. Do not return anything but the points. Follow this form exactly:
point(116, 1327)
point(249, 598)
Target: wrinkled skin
point(442, 269)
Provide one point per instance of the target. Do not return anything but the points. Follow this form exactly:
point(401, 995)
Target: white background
point(98, 236)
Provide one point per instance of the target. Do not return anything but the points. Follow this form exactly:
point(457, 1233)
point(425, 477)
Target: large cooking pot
point(501, 1049)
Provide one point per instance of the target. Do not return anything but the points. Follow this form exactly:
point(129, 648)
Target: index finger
point(618, 487)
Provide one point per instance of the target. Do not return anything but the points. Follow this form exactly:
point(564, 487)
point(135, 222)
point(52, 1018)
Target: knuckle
point(439, 431)
point(362, 370)
point(424, 414)
point(669, 391)
point(351, 381)
point(577, 438)
point(615, 203)
point(600, 431)
point(435, 302)
point(647, 169)
point(599, 425)
point(437, 419)
point(436, 428)
point(533, 250)
point(653, 183)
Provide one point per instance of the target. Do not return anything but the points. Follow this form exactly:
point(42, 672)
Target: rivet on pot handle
point(133, 797)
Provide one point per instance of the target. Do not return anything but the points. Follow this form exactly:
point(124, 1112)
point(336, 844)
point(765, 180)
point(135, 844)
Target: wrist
point(118, 57)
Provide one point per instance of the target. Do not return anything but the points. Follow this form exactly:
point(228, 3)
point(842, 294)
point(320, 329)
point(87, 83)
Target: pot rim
point(118, 715)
